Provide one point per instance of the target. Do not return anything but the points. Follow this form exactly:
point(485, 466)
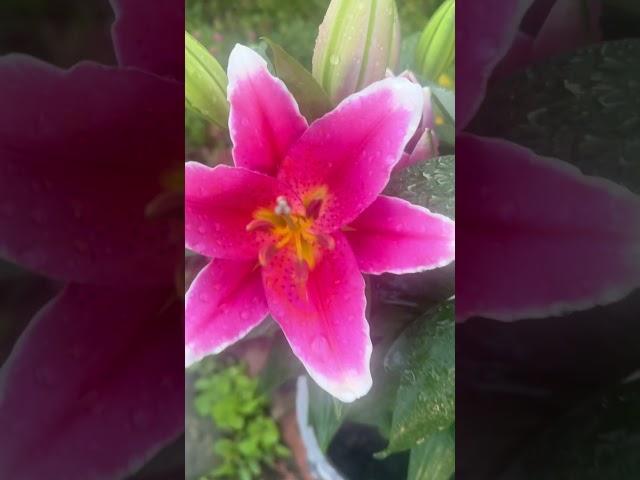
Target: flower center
point(292, 230)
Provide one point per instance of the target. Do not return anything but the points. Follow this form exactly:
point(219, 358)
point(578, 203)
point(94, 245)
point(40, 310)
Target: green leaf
point(436, 48)
point(325, 414)
point(244, 473)
point(224, 447)
point(429, 184)
point(282, 365)
point(434, 457)
point(282, 451)
point(424, 355)
point(582, 108)
point(249, 448)
point(225, 470)
point(205, 83)
point(311, 98)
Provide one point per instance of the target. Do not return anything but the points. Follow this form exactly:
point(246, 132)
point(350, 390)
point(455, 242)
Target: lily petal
point(264, 119)
point(323, 318)
point(484, 34)
point(72, 199)
point(352, 149)
point(94, 386)
point(219, 204)
point(536, 237)
point(150, 37)
point(225, 301)
point(566, 28)
point(395, 236)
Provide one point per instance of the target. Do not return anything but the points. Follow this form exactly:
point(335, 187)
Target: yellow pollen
point(290, 230)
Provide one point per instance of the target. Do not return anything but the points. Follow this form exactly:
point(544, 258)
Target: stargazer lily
point(291, 227)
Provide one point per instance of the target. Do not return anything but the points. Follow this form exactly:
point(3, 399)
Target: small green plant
point(250, 437)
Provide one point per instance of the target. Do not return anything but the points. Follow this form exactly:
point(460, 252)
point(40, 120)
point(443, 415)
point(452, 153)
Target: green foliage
point(424, 356)
point(221, 24)
point(433, 458)
point(250, 438)
point(415, 13)
point(436, 48)
point(581, 108)
point(325, 414)
point(429, 184)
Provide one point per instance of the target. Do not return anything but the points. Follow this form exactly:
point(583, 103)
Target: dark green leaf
point(429, 184)
point(311, 98)
point(583, 108)
point(434, 457)
point(424, 356)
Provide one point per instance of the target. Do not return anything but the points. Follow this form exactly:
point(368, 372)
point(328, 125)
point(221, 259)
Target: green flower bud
point(435, 53)
point(205, 83)
point(357, 41)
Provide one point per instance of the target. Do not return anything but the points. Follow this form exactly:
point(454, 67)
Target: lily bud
point(424, 143)
point(435, 53)
point(357, 41)
point(205, 83)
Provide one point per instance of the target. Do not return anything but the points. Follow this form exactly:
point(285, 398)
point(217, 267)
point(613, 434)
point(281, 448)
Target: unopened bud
point(357, 41)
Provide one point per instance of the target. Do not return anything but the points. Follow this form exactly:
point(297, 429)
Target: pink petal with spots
point(219, 204)
point(150, 36)
point(536, 237)
point(225, 301)
point(392, 235)
point(94, 386)
point(323, 318)
point(484, 34)
point(78, 171)
point(566, 28)
point(264, 118)
point(352, 149)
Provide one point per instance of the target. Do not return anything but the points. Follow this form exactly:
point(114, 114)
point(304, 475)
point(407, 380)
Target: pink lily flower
point(292, 227)
point(94, 386)
point(538, 238)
